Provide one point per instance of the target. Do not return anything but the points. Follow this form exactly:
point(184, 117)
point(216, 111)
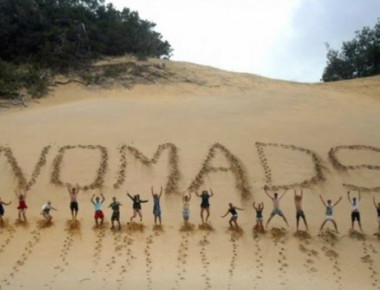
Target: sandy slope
point(193, 109)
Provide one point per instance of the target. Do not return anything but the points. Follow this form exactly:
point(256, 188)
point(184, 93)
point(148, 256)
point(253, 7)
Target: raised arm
point(161, 190)
point(7, 203)
point(152, 191)
point(349, 197)
point(262, 205)
point(254, 205)
point(103, 198)
point(92, 199)
point(360, 195)
point(338, 201)
point(197, 194)
point(323, 201)
point(225, 214)
point(374, 201)
point(130, 196)
point(238, 208)
point(212, 193)
point(266, 192)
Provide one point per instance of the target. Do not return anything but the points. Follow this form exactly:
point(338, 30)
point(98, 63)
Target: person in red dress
point(21, 205)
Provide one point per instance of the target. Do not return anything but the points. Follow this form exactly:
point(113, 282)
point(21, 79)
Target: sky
point(280, 39)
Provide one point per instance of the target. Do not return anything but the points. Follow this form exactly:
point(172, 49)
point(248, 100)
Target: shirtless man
point(73, 191)
point(299, 210)
point(355, 213)
point(276, 206)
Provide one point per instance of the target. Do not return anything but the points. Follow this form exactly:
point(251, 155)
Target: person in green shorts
point(115, 205)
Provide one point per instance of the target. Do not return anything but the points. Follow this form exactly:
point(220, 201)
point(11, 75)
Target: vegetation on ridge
point(42, 37)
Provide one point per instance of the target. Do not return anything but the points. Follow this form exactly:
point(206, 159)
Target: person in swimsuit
point(73, 192)
point(234, 215)
point(186, 207)
point(259, 216)
point(156, 206)
point(205, 204)
point(276, 206)
point(136, 206)
point(46, 211)
point(355, 213)
point(115, 205)
point(21, 206)
point(299, 211)
point(377, 206)
point(329, 213)
point(2, 203)
point(98, 203)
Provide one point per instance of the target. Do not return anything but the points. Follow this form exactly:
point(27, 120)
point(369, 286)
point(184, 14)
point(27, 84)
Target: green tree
point(359, 57)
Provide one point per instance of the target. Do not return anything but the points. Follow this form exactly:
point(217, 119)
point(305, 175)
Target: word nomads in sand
point(276, 206)
point(115, 206)
point(299, 211)
point(355, 213)
point(98, 204)
point(74, 207)
point(2, 211)
point(22, 207)
point(329, 212)
point(136, 206)
point(205, 203)
point(234, 215)
point(156, 205)
point(186, 197)
point(45, 211)
point(259, 216)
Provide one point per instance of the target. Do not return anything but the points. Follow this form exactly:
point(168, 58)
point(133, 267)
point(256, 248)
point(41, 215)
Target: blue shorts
point(157, 212)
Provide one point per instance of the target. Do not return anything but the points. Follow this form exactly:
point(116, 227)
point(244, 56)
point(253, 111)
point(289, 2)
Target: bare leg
point(96, 222)
point(101, 220)
point(159, 219)
point(24, 216)
point(140, 215)
point(298, 221)
point(202, 210)
point(230, 221)
point(360, 225)
point(305, 222)
point(208, 213)
point(323, 224)
point(335, 226)
point(119, 224)
point(133, 216)
point(268, 221)
point(285, 220)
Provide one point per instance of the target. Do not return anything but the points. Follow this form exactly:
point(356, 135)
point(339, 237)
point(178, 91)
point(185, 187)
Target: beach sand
point(266, 132)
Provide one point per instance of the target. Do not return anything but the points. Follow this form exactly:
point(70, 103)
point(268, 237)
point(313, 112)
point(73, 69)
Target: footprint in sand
point(232, 267)
point(24, 256)
point(205, 263)
point(182, 258)
point(148, 260)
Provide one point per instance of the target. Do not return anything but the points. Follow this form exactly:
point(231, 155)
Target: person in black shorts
point(355, 213)
point(233, 211)
point(115, 205)
point(205, 203)
point(299, 211)
point(2, 203)
point(73, 191)
point(136, 205)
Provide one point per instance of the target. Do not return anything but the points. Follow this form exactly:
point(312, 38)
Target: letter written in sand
point(173, 176)
point(22, 183)
point(316, 163)
point(362, 152)
point(58, 163)
point(236, 168)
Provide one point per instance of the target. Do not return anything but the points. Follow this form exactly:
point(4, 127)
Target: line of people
point(205, 196)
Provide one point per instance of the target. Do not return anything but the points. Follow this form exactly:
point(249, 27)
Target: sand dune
point(230, 132)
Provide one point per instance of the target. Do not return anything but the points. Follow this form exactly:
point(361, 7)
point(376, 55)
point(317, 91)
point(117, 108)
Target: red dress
point(22, 204)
